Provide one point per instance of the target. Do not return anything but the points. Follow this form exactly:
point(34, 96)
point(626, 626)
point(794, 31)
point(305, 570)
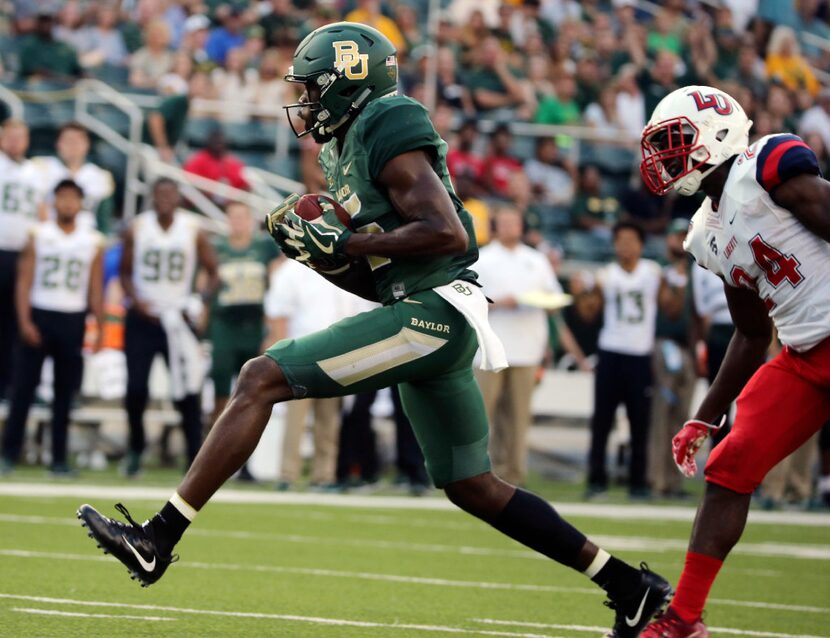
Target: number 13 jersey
point(164, 261)
point(751, 242)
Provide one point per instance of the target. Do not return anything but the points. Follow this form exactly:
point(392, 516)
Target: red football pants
point(786, 402)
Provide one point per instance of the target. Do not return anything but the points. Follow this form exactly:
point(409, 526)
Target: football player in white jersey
point(72, 148)
point(60, 277)
point(764, 228)
point(629, 287)
point(162, 250)
point(18, 212)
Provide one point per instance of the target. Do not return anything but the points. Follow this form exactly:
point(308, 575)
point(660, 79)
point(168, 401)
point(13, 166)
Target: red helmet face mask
point(666, 149)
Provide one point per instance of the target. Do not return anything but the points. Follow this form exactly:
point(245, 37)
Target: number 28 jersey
point(63, 263)
point(751, 242)
point(164, 261)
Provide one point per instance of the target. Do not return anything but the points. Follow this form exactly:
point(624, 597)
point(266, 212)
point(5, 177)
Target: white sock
point(598, 563)
point(184, 508)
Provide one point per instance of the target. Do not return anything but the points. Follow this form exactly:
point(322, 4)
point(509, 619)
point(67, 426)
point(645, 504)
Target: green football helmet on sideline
point(351, 64)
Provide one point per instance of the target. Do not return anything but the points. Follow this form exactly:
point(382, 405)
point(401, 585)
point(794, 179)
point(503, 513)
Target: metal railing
point(86, 93)
point(14, 102)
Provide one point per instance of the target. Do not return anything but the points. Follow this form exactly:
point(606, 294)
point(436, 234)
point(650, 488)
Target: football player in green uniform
point(411, 249)
point(237, 323)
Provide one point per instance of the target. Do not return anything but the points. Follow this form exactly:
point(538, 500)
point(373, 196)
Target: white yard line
point(280, 617)
point(226, 495)
point(609, 542)
point(77, 614)
point(593, 629)
point(396, 578)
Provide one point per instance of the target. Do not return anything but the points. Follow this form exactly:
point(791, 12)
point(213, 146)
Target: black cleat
point(134, 545)
point(635, 611)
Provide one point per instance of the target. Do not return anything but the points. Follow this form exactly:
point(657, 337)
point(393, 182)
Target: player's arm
point(23, 290)
point(125, 274)
point(807, 197)
point(745, 354)
point(432, 226)
point(210, 264)
point(357, 280)
point(96, 294)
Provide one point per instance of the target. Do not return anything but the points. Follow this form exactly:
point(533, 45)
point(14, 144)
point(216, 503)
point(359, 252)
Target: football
point(310, 207)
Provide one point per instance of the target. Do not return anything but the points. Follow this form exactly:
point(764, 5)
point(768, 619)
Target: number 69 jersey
point(164, 261)
point(751, 242)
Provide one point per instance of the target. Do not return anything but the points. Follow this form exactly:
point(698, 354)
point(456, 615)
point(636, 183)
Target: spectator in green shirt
point(561, 109)
point(492, 83)
point(164, 125)
point(591, 210)
point(41, 56)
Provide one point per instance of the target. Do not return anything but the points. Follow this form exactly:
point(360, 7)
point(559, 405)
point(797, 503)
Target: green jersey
point(386, 128)
point(243, 275)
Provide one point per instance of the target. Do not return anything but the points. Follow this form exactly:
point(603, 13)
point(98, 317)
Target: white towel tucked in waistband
point(468, 299)
point(187, 365)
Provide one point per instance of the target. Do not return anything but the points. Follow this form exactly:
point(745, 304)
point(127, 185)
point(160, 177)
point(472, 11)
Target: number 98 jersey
point(164, 261)
point(751, 242)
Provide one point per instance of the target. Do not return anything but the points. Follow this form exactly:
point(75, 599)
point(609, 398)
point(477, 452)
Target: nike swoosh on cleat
point(150, 566)
point(632, 622)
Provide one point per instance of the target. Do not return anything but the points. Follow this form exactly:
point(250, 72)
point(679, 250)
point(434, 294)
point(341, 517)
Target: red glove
point(688, 441)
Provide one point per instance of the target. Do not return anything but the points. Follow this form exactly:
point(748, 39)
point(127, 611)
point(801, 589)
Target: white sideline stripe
point(583, 510)
point(416, 580)
point(592, 629)
point(609, 542)
point(283, 617)
point(77, 614)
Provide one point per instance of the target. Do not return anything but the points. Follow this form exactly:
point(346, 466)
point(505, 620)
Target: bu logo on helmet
point(715, 101)
point(348, 58)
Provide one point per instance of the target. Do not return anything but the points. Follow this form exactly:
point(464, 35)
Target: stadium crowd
point(592, 69)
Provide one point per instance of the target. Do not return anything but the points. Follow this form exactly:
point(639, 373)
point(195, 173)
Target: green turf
point(262, 559)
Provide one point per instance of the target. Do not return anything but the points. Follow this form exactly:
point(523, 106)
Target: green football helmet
point(351, 64)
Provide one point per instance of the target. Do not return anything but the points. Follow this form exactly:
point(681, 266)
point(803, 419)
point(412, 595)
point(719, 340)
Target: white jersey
point(63, 262)
point(19, 197)
point(96, 182)
point(752, 242)
point(630, 310)
point(164, 261)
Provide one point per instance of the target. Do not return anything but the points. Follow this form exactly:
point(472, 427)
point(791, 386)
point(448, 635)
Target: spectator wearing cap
point(194, 38)
point(673, 362)
point(561, 108)
point(551, 176)
point(215, 163)
point(368, 12)
point(500, 165)
point(229, 36)
point(41, 56)
point(154, 59)
point(491, 81)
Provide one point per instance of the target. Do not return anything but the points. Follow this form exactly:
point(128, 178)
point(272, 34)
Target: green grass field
point(334, 571)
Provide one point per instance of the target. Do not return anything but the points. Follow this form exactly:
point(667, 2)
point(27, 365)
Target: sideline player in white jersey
point(18, 212)
point(60, 277)
point(623, 375)
point(764, 228)
point(162, 251)
point(72, 148)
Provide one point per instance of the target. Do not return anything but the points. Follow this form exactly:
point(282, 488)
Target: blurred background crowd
point(541, 102)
